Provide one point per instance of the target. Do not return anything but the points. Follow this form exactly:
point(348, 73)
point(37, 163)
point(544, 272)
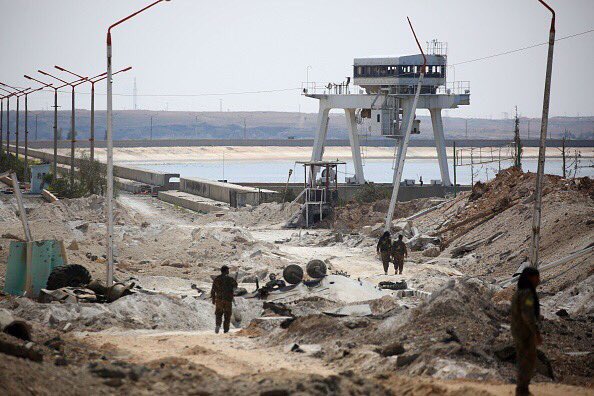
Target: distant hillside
point(136, 124)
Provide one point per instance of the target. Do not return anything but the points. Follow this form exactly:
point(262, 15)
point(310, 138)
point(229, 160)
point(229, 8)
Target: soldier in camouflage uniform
point(525, 316)
point(222, 297)
point(399, 252)
point(384, 247)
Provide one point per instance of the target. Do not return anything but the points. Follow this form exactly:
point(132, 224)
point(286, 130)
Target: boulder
point(421, 242)
point(402, 226)
point(395, 348)
point(431, 251)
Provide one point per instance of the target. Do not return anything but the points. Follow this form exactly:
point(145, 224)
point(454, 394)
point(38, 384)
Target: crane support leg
point(440, 145)
point(355, 146)
point(321, 132)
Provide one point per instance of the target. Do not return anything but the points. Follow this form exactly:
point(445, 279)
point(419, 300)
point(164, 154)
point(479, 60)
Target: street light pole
point(16, 132)
point(26, 175)
point(536, 216)
point(1, 125)
point(23, 93)
point(55, 159)
point(16, 93)
point(26, 172)
point(55, 172)
point(2, 122)
point(94, 80)
point(8, 125)
point(72, 121)
point(110, 144)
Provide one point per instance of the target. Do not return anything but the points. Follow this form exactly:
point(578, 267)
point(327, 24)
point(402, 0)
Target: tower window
point(378, 118)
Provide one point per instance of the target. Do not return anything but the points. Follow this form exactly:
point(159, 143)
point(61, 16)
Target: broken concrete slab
point(351, 310)
point(403, 227)
point(421, 242)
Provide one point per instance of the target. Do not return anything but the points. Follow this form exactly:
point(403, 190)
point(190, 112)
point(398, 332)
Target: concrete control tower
point(382, 99)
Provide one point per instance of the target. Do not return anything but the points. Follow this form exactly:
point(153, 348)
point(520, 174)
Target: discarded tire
point(73, 275)
point(14, 327)
point(316, 269)
point(293, 274)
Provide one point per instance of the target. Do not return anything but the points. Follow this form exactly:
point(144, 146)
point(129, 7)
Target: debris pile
point(136, 311)
point(495, 226)
point(510, 187)
point(458, 321)
point(266, 214)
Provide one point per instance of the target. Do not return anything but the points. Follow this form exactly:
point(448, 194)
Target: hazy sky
point(194, 47)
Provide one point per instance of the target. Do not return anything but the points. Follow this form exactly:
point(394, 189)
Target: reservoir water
point(376, 170)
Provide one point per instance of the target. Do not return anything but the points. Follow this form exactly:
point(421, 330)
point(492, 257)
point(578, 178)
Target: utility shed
point(38, 173)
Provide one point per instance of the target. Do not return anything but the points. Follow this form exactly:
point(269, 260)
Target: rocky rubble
point(457, 333)
point(137, 311)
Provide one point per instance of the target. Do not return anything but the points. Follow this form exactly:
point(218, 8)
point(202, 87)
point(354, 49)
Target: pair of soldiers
point(392, 251)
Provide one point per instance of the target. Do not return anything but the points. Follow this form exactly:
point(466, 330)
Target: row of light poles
point(109, 136)
point(11, 91)
point(17, 93)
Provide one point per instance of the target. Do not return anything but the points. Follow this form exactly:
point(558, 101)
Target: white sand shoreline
point(193, 154)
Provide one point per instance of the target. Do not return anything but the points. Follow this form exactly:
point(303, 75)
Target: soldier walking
point(399, 252)
point(383, 248)
point(222, 298)
point(525, 318)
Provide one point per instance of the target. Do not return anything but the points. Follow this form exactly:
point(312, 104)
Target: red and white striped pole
point(110, 144)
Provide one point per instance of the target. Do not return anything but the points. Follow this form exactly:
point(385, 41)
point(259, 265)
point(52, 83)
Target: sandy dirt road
point(361, 263)
point(228, 354)
point(232, 355)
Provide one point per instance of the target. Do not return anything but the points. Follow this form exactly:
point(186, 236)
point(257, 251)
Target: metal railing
point(454, 88)
point(330, 88)
point(435, 47)
point(315, 195)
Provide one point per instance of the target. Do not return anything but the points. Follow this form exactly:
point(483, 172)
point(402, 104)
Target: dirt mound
point(495, 226)
point(265, 214)
point(354, 215)
point(461, 311)
point(459, 333)
point(91, 209)
point(510, 187)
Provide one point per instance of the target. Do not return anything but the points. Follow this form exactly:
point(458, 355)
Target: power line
point(295, 89)
point(521, 49)
point(185, 95)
